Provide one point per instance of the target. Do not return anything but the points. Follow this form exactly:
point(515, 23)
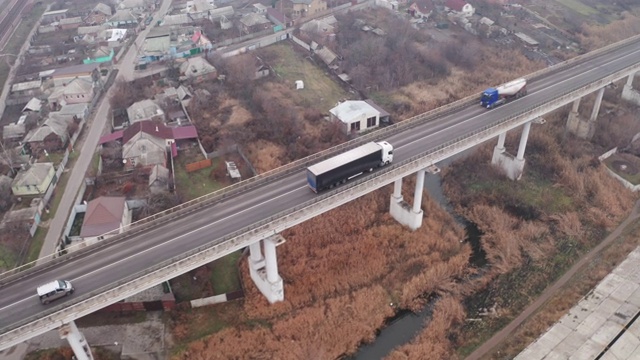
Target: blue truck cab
point(489, 98)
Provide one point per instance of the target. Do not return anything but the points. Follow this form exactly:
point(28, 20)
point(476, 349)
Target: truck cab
point(489, 98)
point(387, 152)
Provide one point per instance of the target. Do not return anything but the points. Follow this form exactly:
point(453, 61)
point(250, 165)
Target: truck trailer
point(493, 97)
point(340, 168)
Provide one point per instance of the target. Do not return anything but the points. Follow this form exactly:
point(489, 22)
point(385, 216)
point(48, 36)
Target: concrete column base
point(273, 291)
point(512, 167)
point(582, 128)
point(401, 211)
point(631, 95)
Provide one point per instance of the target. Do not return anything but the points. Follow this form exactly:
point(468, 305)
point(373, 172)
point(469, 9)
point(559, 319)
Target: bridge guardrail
point(582, 58)
point(434, 154)
point(272, 175)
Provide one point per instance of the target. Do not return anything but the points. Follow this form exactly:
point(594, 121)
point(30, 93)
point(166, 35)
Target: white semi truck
point(340, 168)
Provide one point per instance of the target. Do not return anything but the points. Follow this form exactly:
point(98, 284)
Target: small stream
point(403, 327)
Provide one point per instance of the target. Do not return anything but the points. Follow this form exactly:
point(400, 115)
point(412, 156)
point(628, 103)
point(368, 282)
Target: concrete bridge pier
point(76, 340)
point(264, 269)
point(410, 216)
point(512, 166)
point(584, 128)
point(629, 93)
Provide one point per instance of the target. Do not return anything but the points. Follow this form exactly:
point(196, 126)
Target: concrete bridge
point(252, 213)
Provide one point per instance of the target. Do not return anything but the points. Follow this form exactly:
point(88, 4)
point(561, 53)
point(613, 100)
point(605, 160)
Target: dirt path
point(495, 340)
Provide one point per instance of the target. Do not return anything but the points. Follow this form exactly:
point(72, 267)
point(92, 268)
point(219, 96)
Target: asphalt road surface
point(107, 265)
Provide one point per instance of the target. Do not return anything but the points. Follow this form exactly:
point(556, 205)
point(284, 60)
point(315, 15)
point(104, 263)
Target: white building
point(358, 115)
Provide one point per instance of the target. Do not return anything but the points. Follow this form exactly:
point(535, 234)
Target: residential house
point(216, 14)
point(325, 54)
point(259, 8)
point(184, 136)
point(177, 117)
point(91, 34)
point(421, 9)
point(33, 106)
point(123, 19)
point(277, 18)
point(54, 16)
point(29, 88)
point(102, 54)
point(13, 133)
point(34, 179)
point(358, 115)
point(157, 43)
point(66, 74)
point(51, 136)
point(262, 70)
point(197, 69)
point(77, 91)
point(145, 110)
point(145, 143)
point(460, 7)
point(100, 13)
point(184, 95)
point(302, 8)
point(177, 20)
point(323, 28)
point(174, 43)
point(199, 9)
point(527, 40)
point(105, 214)
point(70, 23)
point(136, 6)
point(159, 178)
point(77, 111)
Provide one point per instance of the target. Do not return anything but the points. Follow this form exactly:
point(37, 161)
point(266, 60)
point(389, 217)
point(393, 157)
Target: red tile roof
point(111, 137)
point(103, 214)
point(456, 5)
point(149, 127)
point(185, 132)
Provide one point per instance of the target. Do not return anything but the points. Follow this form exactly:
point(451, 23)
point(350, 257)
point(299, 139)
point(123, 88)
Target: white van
point(54, 290)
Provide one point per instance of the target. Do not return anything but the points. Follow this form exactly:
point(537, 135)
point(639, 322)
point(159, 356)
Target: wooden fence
point(198, 165)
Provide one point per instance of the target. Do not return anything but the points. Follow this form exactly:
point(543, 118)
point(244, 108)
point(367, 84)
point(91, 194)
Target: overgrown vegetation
point(345, 273)
point(533, 229)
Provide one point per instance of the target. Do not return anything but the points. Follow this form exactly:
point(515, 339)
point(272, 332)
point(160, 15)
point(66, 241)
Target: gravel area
point(135, 341)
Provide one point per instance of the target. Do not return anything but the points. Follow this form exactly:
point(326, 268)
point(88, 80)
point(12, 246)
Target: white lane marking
point(16, 303)
point(186, 234)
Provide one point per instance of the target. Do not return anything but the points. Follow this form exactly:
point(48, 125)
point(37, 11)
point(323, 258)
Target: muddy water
point(403, 327)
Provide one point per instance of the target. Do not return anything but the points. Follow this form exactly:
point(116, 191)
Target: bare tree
point(111, 154)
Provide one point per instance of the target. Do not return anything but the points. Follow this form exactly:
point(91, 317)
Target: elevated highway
point(194, 234)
